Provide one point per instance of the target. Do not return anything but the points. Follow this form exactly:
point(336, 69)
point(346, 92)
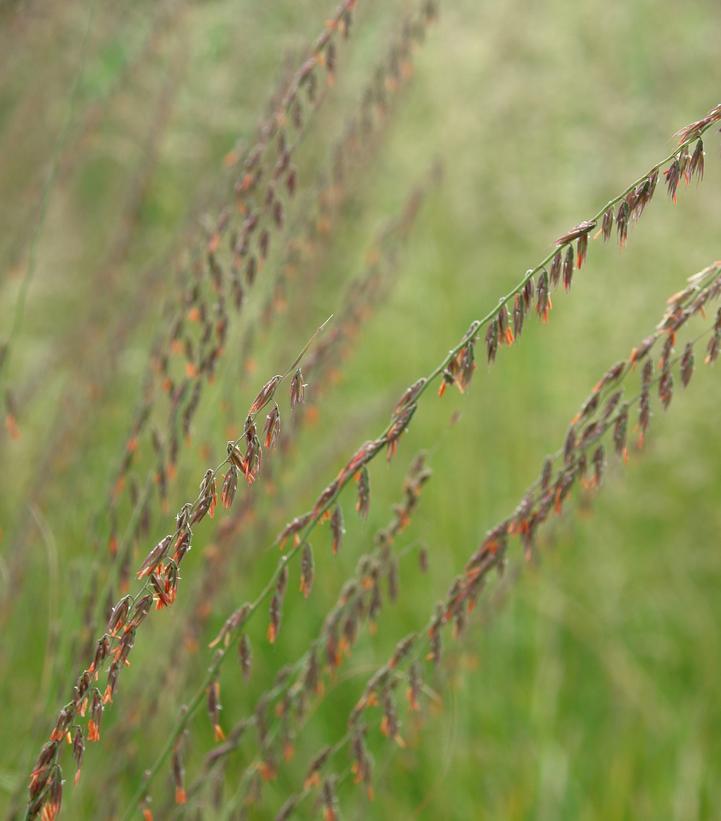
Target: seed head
point(271, 429)
point(555, 275)
point(337, 528)
point(687, 362)
point(297, 389)
point(265, 395)
point(307, 570)
point(363, 500)
point(245, 655)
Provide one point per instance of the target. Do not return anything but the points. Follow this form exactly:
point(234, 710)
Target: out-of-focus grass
point(592, 692)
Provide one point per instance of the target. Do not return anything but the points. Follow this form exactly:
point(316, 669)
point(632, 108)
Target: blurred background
point(591, 691)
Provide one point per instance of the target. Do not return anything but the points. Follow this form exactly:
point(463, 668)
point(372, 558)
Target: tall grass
point(295, 597)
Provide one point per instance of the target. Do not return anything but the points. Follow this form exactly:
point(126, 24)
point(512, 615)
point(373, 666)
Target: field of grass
point(589, 688)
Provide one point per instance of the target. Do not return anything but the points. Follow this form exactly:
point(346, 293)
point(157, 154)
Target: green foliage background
point(593, 691)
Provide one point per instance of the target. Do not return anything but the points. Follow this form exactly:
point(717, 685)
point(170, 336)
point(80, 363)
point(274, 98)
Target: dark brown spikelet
point(569, 446)
point(251, 269)
point(297, 389)
point(155, 557)
point(230, 485)
point(666, 351)
point(330, 61)
point(640, 351)
point(622, 218)
point(312, 776)
point(245, 655)
point(402, 649)
point(684, 161)
point(673, 177)
point(568, 268)
point(324, 499)
point(276, 604)
point(274, 617)
point(329, 800)
point(611, 404)
point(170, 585)
point(144, 605)
point(652, 180)
point(307, 570)
point(390, 725)
point(214, 709)
point(434, 636)
point(620, 428)
point(414, 686)
point(291, 181)
point(546, 474)
point(293, 528)
point(271, 430)
point(119, 615)
point(696, 166)
point(264, 244)
point(607, 224)
point(555, 276)
point(588, 408)
point(42, 769)
point(179, 777)
point(311, 676)
point(581, 250)
point(208, 497)
point(361, 766)
point(63, 722)
point(580, 230)
point(492, 340)
point(712, 349)
point(528, 291)
point(265, 395)
point(54, 795)
point(337, 529)
point(281, 584)
point(687, 363)
point(409, 396)
point(423, 559)
point(505, 334)
point(78, 752)
point(611, 376)
point(543, 299)
point(599, 462)
point(235, 457)
point(519, 314)
point(644, 405)
point(665, 386)
point(398, 425)
point(182, 544)
point(362, 504)
point(80, 692)
point(581, 470)
point(253, 458)
point(96, 715)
